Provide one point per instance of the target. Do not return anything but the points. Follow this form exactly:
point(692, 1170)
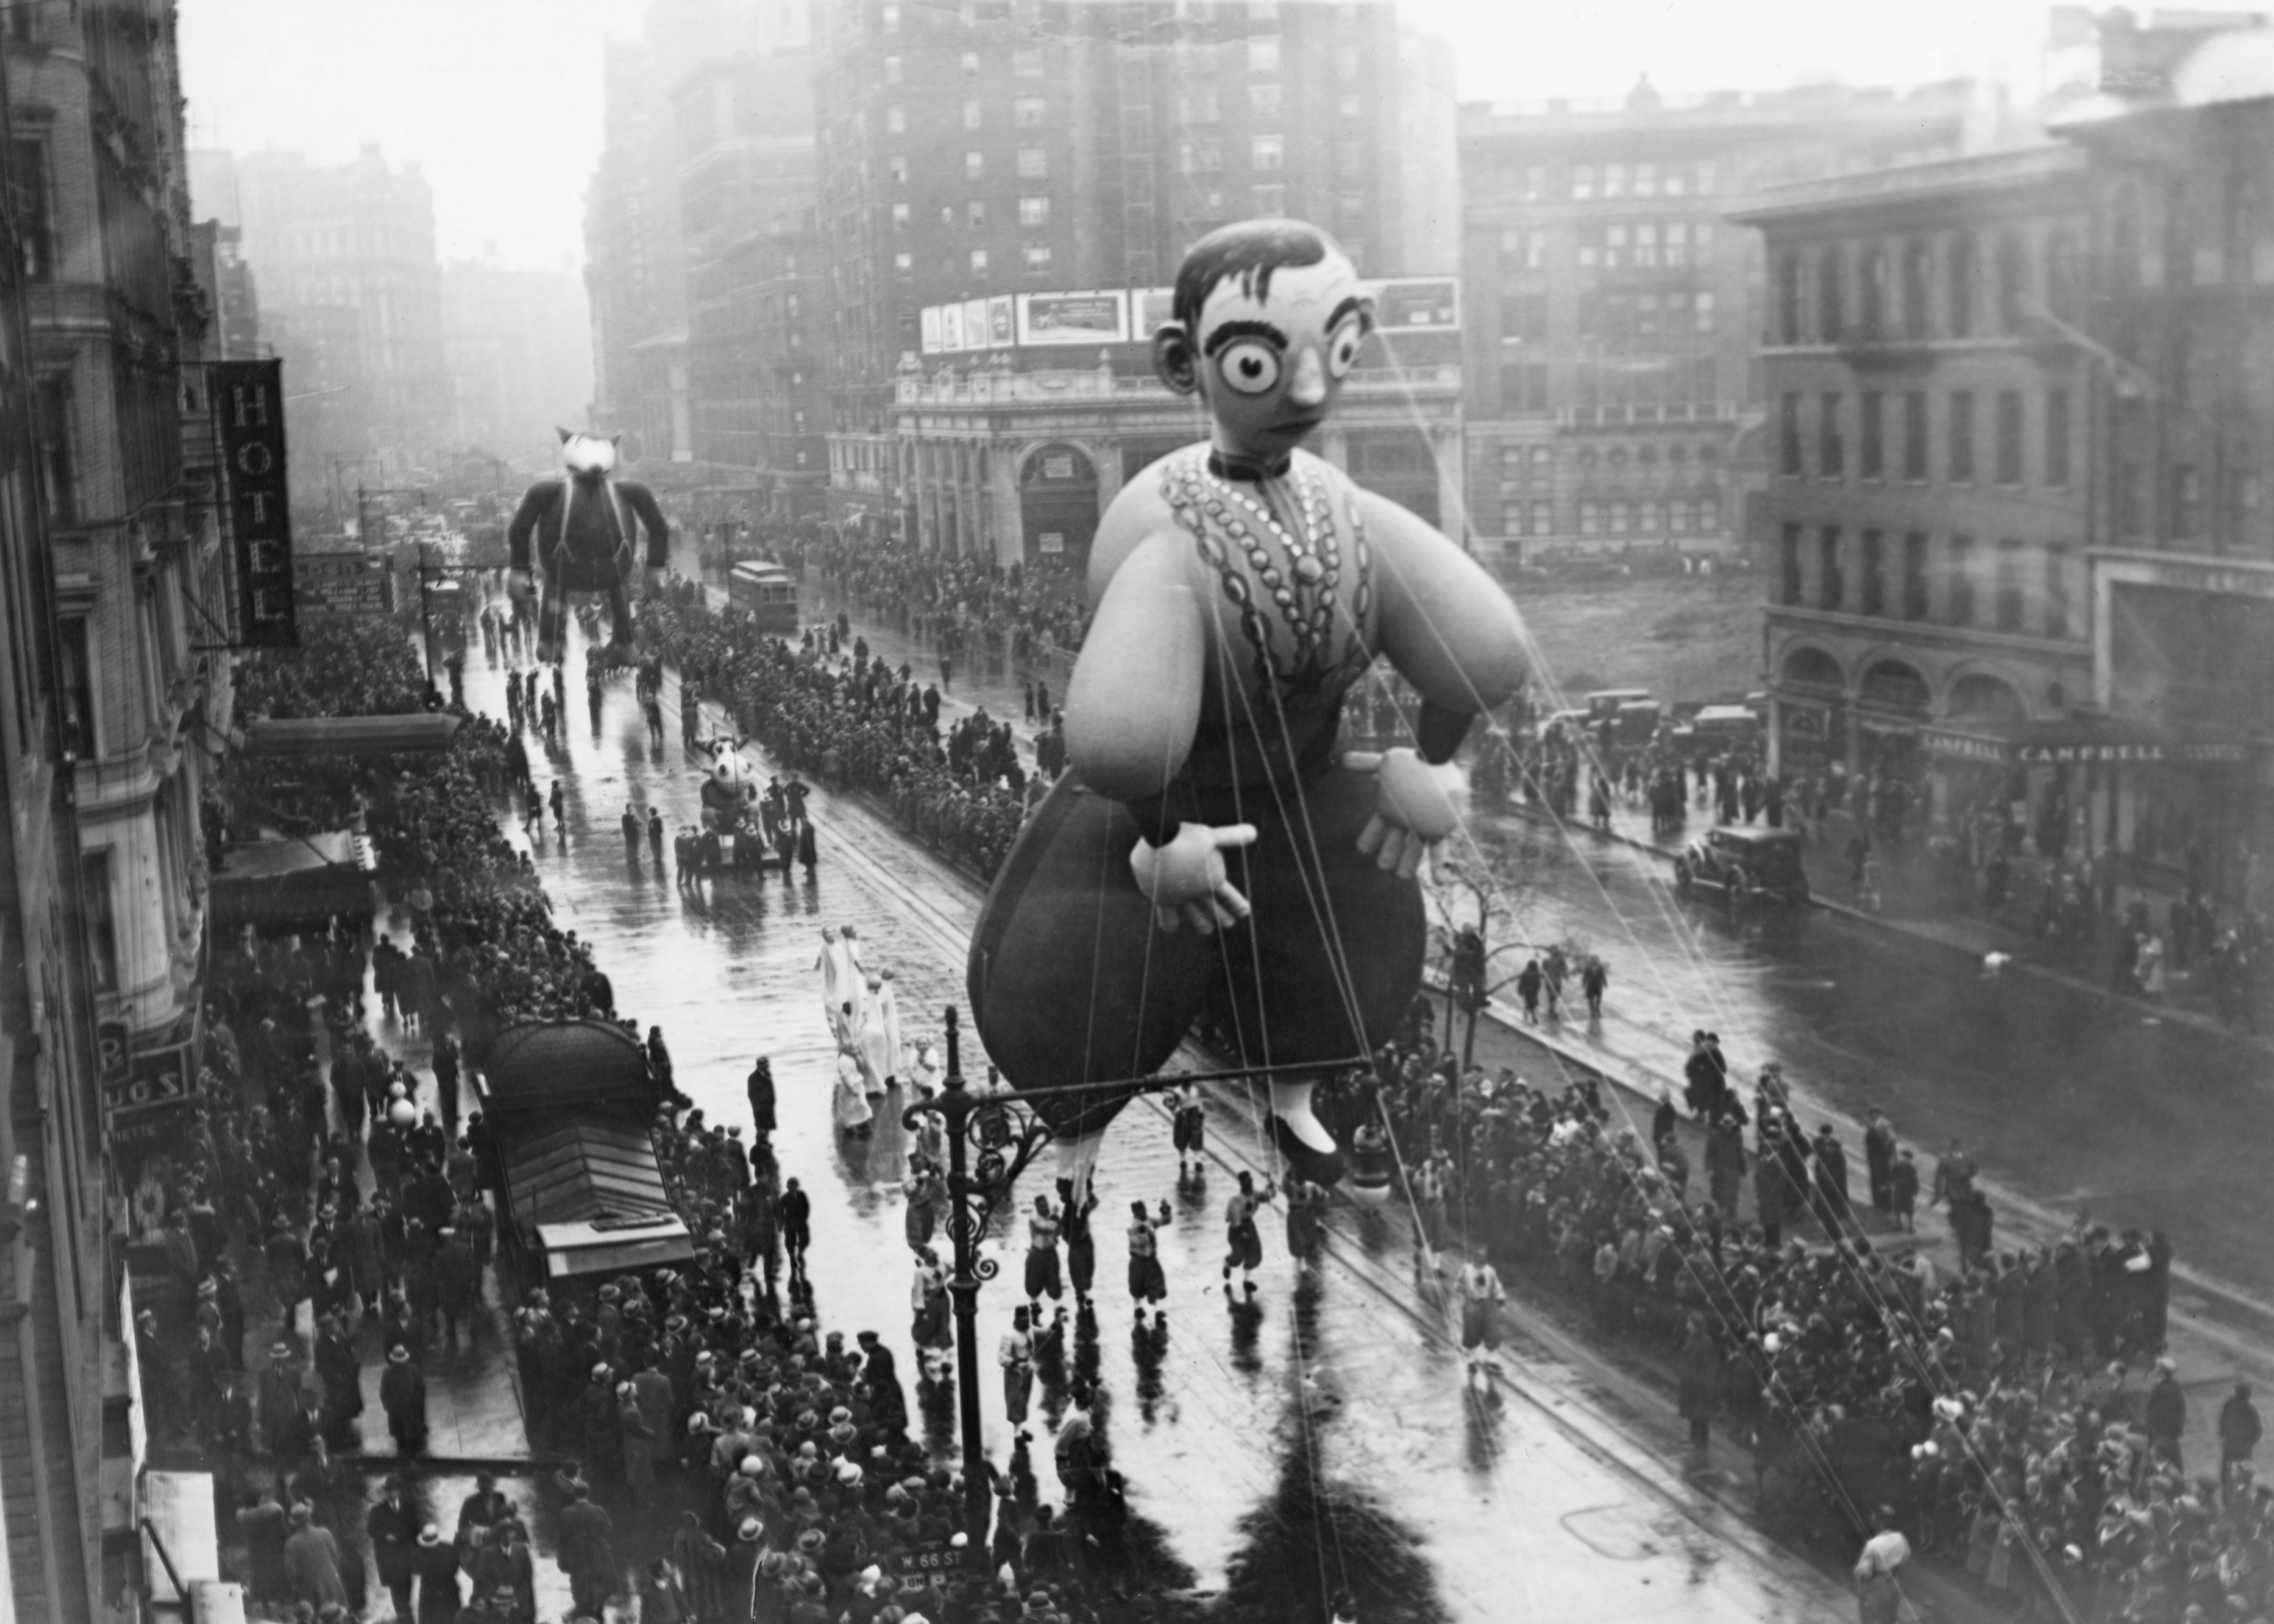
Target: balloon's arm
point(1445, 623)
point(1133, 705)
point(644, 508)
point(534, 501)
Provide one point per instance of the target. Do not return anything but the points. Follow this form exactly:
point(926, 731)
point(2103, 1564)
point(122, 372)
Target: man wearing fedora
point(435, 1561)
point(280, 1396)
point(402, 1394)
point(341, 1371)
point(393, 1528)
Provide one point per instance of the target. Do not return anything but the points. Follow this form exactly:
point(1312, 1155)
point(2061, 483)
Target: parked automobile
point(1746, 864)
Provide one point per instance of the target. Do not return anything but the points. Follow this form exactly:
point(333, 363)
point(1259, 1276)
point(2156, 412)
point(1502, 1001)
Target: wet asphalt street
point(1320, 1437)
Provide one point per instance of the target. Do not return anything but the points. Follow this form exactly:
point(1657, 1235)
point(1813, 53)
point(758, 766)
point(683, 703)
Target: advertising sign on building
point(1418, 305)
point(1073, 318)
point(248, 399)
point(928, 330)
point(951, 328)
point(342, 584)
point(1002, 322)
point(974, 324)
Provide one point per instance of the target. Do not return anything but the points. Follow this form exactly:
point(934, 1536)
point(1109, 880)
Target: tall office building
point(755, 362)
point(1000, 146)
point(343, 249)
point(635, 257)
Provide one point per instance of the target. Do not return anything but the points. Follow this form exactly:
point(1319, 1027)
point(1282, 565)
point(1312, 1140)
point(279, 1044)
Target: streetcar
point(767, 591)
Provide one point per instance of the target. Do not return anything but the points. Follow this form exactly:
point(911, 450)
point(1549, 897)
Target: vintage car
point(1746, 864)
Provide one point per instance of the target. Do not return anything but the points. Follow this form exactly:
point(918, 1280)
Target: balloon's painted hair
point(1249, 250)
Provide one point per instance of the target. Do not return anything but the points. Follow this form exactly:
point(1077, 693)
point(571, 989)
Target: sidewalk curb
point(2204, 1024)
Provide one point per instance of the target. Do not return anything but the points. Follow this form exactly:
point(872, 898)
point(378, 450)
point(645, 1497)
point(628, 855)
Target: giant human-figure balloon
point(582, 526)
point(1210, 851)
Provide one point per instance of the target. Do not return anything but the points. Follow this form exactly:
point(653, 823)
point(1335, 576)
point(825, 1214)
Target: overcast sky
point(500, 100)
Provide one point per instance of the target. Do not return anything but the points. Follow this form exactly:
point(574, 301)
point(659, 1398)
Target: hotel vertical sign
point(248, 399)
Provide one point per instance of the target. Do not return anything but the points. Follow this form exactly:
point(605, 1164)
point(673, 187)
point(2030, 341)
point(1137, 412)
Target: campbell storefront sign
point(2116, 753)
point(2109, 741)
point(1965, 746)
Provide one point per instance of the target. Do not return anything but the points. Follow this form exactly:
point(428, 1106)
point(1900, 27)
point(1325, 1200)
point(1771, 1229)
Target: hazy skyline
point(499, 101)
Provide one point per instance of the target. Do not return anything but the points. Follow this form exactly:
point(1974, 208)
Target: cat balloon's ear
point(567, 434)
point(1175, 361)
point(617, 441)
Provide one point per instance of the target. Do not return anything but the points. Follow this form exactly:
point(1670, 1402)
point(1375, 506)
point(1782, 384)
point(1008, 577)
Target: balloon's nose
point(1308, 387)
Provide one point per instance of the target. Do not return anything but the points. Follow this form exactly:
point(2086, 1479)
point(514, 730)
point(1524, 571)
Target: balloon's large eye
point(1342, 349)
point(1249, 365)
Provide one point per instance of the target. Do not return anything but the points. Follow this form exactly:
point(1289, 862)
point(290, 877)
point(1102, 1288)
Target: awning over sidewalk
point(302, 878)
point(416, 733)
point(2081, 740)
point(588, 1190)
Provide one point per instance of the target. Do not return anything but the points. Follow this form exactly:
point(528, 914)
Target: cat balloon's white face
point(587, 455)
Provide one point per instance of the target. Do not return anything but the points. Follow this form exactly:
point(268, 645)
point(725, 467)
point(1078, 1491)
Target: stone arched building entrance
point(1057, 507)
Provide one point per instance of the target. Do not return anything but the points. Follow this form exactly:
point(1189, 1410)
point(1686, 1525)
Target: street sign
point(937, 1558)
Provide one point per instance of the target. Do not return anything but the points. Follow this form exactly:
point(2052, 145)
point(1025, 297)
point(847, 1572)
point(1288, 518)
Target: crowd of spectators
point(825, 706)
point(966, 608)
point(1998, 1406)
point(805, 1489)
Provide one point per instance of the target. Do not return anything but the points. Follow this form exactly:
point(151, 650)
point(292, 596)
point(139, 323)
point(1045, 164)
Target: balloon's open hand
point(1186, 878)
point(518, 586)
point(1413, 811)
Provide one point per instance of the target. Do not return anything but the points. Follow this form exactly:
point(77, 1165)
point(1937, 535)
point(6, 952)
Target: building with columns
point(1006, 452)
point(116, 689)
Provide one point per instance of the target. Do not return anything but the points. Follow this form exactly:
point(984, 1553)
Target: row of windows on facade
point(1034, 210)
point(2184, 513)
point(1872, 412)
point(1923, 288)
point(1663, 381)
point(1528, 465)
point(2236, 249)
point(1647, 518)
point(1611, 244)
point(1584, 182)
point(1895, 576)
point(1266, 154)
point(1027, 15)
point(1200, 104)
point(1618, 317)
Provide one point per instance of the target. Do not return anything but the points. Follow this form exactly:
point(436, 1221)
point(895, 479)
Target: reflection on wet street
point(1276, 1451)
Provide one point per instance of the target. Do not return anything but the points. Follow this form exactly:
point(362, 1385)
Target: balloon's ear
point(1174, 359)
point(567, 434)
point(616, 439)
